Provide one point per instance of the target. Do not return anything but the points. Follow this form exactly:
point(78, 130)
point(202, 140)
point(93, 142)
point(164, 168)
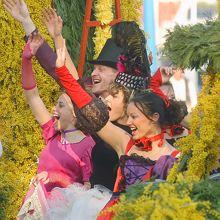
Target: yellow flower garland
point(19, 132)
point(204, 141)
point(103, 13)
point(131, 10)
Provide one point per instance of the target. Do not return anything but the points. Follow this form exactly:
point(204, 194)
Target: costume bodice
point(135, 169)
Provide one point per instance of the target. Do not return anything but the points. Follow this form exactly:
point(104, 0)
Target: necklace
point(63, 139)
point(70, 130)
point(145, 143)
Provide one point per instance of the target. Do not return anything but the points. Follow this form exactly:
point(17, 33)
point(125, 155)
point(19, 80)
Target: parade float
point(188, 193)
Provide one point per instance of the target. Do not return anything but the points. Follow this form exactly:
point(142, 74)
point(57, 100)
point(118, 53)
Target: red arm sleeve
point(77, 94)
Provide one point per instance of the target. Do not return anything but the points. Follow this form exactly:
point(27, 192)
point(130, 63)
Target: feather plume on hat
point(133, 62)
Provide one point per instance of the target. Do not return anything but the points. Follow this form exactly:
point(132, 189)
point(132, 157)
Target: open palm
point(17, 8)
point(53, 23)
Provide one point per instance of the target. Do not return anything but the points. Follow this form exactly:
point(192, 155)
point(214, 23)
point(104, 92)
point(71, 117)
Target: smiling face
point(141, 125)
point(64, 113)
point(116, 105)
point(102, 77)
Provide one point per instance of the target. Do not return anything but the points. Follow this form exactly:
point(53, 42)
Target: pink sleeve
point(27, 74)
point(87, 168)
point(48, 130)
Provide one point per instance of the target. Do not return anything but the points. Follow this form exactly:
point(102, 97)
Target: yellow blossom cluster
point(19, 132)
point(104, 14)
point(203, 143)
point(131, 10)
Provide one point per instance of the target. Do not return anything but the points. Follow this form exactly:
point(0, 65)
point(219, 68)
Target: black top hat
point(108, 55)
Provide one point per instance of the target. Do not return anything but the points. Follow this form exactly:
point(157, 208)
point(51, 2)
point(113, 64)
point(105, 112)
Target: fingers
point(45, 17)
point(8, 5)
point(49, 14)
point(8, 9)
point(53, 13)
point(60, 20)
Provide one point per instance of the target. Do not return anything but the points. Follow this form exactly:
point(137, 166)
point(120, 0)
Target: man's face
point(102, 77)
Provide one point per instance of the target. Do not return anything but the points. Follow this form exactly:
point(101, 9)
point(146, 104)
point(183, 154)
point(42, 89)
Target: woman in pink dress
point(66, 157)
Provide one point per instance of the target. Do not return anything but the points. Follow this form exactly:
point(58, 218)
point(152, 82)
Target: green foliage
point(193, 46)
point(207, 190)
point(181, 200)
point(72, 13)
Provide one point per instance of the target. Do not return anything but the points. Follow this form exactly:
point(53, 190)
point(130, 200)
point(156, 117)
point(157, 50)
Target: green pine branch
point(193, 46)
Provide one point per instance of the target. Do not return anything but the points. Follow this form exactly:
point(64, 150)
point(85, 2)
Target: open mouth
point(133, 130)
point(96, 80)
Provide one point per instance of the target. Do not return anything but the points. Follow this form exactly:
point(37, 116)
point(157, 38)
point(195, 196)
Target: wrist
point(28, 26)
point(58, 37)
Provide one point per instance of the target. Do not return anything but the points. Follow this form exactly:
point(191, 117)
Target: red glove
point(77, 94)
point(27, 75)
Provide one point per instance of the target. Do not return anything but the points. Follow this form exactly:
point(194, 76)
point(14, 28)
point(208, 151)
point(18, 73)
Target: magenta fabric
point(65, 163)
point(27, 74)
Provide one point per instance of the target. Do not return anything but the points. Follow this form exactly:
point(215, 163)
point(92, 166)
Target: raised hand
point(34, 42)
point(166, 72)
point(17, 9)
point(61, 55)
point(53, 23)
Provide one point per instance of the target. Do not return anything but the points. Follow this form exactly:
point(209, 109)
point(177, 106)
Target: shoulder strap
point(175, 153)
point(129, 145)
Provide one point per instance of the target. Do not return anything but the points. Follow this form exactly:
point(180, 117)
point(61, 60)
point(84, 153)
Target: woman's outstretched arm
point(29, 84)
point(45, 54)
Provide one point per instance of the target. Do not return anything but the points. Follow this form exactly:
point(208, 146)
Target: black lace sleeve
point(92, 117)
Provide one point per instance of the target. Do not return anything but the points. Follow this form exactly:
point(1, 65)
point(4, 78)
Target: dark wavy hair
point(149, 103)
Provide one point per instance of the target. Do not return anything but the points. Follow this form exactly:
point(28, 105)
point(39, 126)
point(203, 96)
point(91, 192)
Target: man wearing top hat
point(105, 69)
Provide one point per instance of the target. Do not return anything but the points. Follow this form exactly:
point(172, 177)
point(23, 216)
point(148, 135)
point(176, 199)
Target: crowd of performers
point(104, 136)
